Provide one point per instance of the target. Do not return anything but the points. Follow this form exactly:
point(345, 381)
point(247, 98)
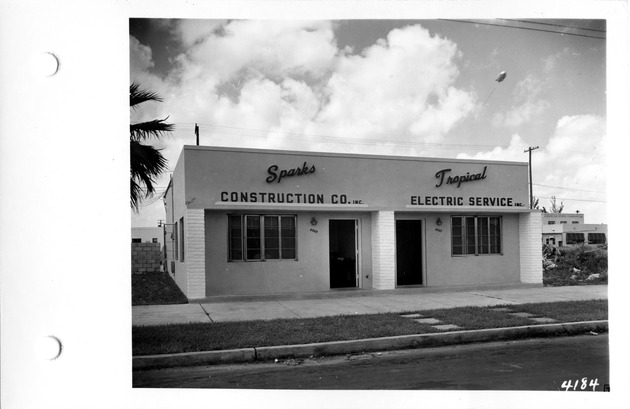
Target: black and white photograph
point(359, 204)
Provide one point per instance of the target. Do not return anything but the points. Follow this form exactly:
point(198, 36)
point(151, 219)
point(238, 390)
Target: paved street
point(355, 302)
point(532, 364)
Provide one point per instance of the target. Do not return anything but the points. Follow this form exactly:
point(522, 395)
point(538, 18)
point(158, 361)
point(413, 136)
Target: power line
point(572, 199)
point(553, 25)
point(522, 28)
point(230, 130)
point(569, 188)
point(260, 133)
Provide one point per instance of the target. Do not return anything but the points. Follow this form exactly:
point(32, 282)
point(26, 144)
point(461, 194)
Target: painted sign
point(459, 201)
point(221, 178)
point(451, 180)
point(289, 198)
point(276, 174)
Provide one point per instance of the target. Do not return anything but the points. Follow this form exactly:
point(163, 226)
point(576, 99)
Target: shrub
point(576, 265)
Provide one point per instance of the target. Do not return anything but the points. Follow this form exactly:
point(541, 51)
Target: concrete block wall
point(383, 250)
point(195, 253)
point(145, 258)
point(530, 232)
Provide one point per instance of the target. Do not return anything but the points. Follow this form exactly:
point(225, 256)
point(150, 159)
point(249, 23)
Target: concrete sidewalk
point(356, 302)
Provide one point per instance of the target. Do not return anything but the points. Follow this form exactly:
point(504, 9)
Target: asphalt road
point(532, 364)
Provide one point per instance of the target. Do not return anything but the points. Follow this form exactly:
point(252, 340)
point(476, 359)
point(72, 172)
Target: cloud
point(527, 104)
point(572, 166)
point(514, 151)
point(398, 86)
point(286, 84)
point(191, 31)
point(290, 77)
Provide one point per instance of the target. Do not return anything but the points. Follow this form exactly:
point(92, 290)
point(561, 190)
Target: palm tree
point(147, 162)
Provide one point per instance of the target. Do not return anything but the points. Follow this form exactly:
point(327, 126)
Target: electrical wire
point(553, 25)
point(572, 199)
point(259, 133)
point(521, 28)
point(569, 188)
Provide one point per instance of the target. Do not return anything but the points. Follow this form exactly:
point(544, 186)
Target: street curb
point(365, 345)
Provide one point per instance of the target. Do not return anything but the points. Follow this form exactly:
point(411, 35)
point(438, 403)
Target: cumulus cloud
point(290, 76)
point(527, 104)
point(574, 158)
point(286, 84)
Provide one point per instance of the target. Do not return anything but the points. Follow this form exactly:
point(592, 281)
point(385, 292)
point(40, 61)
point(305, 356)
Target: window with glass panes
point(597, 238)
point(575, 238)
point(473, 235)
point(262, 237)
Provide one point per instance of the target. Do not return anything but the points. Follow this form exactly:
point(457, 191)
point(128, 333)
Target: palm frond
point(138, 96)
point(147, 163)
point(155, 128)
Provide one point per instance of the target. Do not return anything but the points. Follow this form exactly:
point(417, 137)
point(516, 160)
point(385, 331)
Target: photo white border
point(64, 211)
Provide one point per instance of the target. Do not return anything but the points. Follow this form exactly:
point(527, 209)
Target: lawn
point(164, 339)
point(154, 289)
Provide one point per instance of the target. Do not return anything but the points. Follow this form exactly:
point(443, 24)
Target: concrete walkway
point(356, 302)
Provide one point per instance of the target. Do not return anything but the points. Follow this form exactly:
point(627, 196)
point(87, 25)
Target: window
point(597, 238)
point(181, 238)
point(563, 222)
point(136, 240)
point(476, 235)
point(261, 237)
point(174, 236)
point(575, 238)
point(551, 241)
point(575, 222)
point(154, 240)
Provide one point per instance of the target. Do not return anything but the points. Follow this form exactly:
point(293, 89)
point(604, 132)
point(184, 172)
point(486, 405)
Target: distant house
point(565, 229)
point(147, 235)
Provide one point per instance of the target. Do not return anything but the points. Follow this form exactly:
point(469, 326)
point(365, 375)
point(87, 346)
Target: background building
point(562, 229)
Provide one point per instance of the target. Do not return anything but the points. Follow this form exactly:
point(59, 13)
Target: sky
point(423, 88)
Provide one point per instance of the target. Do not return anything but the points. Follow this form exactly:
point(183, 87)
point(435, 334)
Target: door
point(408, 252)
point(343, 253)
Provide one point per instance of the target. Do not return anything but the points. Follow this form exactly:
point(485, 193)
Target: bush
point(576, 265)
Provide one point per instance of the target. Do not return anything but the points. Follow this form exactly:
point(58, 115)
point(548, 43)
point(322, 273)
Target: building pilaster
point(383, 250)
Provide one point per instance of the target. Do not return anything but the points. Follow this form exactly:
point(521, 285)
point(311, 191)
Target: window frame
point(572, 240)
point(181, 239)
point(470, 229)
point(175, 242)
point(593, 235)
point(262, 238)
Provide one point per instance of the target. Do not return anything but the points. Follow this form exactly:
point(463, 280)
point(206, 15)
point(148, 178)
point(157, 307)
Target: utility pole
point(197, 133)
point(531, 188)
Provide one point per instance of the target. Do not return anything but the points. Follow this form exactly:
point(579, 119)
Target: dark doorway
point(343, 253)
point(409, 252)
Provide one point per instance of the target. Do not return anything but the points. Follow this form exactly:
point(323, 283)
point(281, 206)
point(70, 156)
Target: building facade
point(147, 235)
point(263, 222)
point(566, 229)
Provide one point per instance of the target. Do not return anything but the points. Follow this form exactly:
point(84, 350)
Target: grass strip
point(165, 339)
point(155, 289)
point(568, 311)
point(177, 338)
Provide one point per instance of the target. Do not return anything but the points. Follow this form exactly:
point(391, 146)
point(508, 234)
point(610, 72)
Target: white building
point(247, 221)
point(147, 235)
point(562, 229)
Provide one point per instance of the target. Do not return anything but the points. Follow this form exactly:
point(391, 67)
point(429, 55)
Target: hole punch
point(50, 348)
point(48, 64)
